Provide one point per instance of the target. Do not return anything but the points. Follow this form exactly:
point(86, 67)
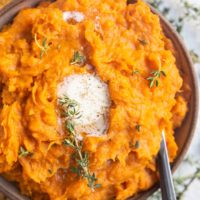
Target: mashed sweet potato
point(125, 44)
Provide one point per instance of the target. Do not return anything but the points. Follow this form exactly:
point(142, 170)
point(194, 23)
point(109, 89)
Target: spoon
point(166, 181)
point(10, 190)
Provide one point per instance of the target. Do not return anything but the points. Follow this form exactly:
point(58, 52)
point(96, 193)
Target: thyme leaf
point(70, 108)
point(23, 152)
point(143, 41)
point(43, 47)
point(78, 59)
point(71, 111)
point(138, 127)
point(153, 79)
point(135, 146)
point(135, 71)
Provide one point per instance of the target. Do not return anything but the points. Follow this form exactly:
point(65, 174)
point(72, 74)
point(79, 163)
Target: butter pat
point(93, 97)
point(75, 15)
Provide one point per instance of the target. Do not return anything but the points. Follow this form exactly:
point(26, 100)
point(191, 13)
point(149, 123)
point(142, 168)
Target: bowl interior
point(183, 135)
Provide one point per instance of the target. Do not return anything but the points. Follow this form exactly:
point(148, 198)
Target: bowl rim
point(11, 9)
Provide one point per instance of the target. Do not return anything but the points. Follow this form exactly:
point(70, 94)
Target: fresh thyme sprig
point(70, 108)
point(136, 145)
point(135, 71)
point(138, 127)
point(155, 75)
point(23, 152)
point(78, 58)
point(43, 47)
point(71, 111)
point(142, 41)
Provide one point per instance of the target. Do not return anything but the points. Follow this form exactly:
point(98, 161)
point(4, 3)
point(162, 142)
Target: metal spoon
point(10, 190)
point(166, 181)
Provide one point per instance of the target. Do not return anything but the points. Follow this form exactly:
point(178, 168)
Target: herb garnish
point(71, 111)
point(23, 152)
point(70, 108)
point(155, 75)
point(135, 71)
point(143, 41)
point(138, 127)
point(135, 146)
point(43, 47)
point(78, 58)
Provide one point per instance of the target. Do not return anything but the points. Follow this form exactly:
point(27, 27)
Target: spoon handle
point(166, 181)
point(10, 190)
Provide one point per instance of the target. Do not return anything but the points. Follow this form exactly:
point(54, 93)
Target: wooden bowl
point(183, 135)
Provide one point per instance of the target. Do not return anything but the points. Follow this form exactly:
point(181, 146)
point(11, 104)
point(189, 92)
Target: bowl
point(183, 135)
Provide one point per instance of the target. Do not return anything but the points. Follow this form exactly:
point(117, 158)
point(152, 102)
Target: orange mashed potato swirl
point(124, 44)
